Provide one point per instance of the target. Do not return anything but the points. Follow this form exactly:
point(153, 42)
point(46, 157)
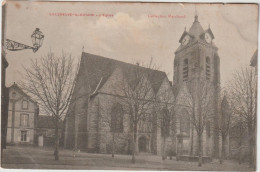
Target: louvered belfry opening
point(207, 68)
point(185, 70)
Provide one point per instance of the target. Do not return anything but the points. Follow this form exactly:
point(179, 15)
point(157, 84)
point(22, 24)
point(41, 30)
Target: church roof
point(196, 33)
point(196, 29)
point(94, 71)
point(97, 69)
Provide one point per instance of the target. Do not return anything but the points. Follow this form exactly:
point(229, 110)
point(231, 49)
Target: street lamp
point(37, 40)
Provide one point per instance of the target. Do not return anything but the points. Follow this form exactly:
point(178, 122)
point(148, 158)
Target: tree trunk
point(250, 144)
point(56, 149)
point(254, 155)
point(254, 145)
point(240, 148)
point(200, 132)
point(133, 153)
point(113, 145)
point(134, 143)
point(223, 156)
point(255, 131)
point(200, 149)
point(191, 144)
point(254, 151)
point(239, 156)
point(163, 151)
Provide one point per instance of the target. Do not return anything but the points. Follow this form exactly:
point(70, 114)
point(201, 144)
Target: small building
point(22, 114)
point(46, 131)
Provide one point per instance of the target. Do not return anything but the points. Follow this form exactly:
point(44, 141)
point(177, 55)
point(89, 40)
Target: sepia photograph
point(143, 86)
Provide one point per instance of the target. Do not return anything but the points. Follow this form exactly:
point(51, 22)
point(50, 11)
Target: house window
point(185, 70)
point(25, 104)
point(23, 136)
point(165, 125)
point(24, 120)
point(117, 118)
point(207, 68)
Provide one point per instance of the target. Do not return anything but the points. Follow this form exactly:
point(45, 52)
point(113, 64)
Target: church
point(98, 106)
point(98, 118)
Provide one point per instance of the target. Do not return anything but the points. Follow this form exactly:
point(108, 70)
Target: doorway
point(142, 144)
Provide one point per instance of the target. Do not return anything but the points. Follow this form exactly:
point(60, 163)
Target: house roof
point(47, 122)
point(16, 87)
point(97, 69)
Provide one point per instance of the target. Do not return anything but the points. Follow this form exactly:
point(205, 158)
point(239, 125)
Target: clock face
point(208, 38)
point(185, 40)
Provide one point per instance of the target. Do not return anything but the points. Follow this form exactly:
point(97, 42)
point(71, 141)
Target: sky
point(129, 32)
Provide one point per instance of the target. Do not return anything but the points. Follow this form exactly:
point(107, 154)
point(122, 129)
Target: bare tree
point(51, 80)
point(238, 129)
point(199, 104)
point(165, 129)
point(138, 98)
point(164, 108)
point(243, 93)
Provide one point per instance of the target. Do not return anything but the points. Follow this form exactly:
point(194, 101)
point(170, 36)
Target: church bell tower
point(197, 58)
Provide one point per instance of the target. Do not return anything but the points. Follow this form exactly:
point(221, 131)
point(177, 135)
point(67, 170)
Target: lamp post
point(37, 40)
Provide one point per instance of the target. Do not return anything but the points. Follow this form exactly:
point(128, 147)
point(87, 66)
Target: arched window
point(216, 68)
point(185, 122)
point(165, 125)
point(207, 68)
point(208, 128)
point(25, 104)
point(185, 70)
point(117, 118)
